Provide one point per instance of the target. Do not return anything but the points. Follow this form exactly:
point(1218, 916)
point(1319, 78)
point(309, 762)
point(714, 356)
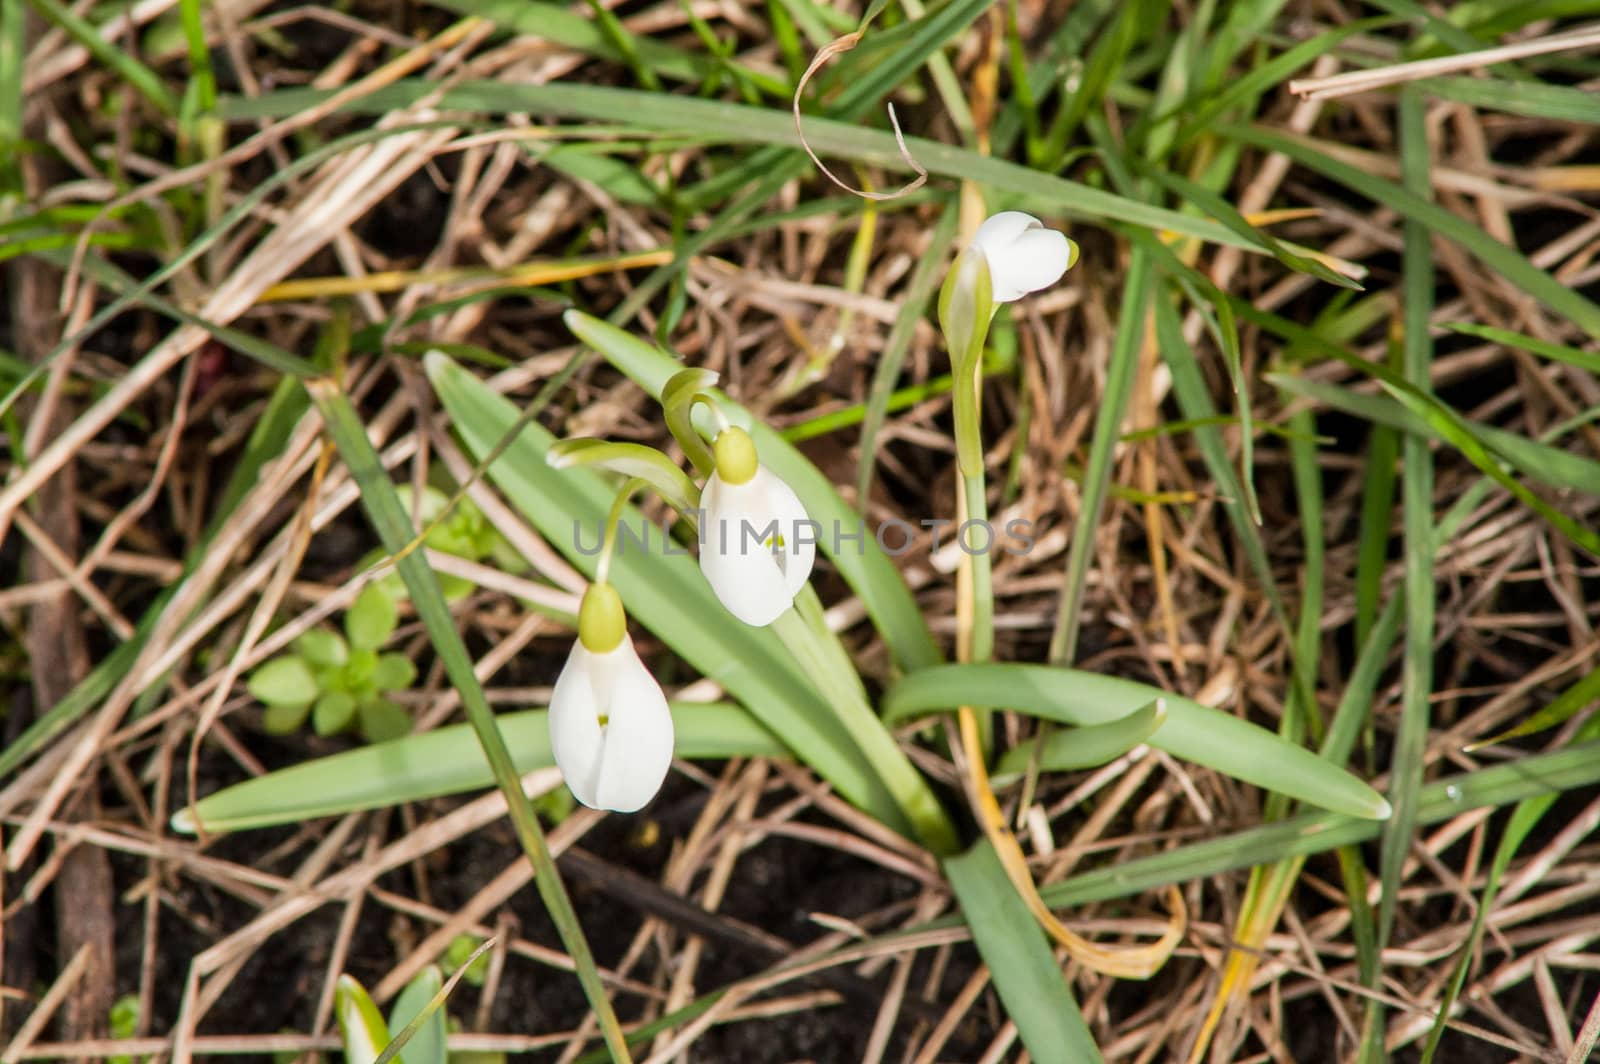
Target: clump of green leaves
point(342, 682)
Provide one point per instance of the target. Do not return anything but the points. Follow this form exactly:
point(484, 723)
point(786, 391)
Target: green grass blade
point(1570, 769)
point(144, 80)
point(716, 121)
point(1124, 366)
point(1506, 262)
point(444, 761)
point(867, 569)
point(1558, 103)
point(13, 49)
point(1455, 431)
point(1192, 731)
point(394, 528)
point(662, 589)
point(1568, 704)
point(1559, 352)
point(913, 309)
point(1024, 969)
point(426, 1044)
point(1524, 818)
point(1425, 415)
point(1416, 494)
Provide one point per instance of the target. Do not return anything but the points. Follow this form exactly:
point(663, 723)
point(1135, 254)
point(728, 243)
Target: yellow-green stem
point(908, 787)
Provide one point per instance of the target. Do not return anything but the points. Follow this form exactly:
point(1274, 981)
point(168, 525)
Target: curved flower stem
point(608, 542)
point(975, 587)
point(909, 788)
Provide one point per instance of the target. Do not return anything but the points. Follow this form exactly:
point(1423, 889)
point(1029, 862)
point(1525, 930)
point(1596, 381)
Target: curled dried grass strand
point(828, 51)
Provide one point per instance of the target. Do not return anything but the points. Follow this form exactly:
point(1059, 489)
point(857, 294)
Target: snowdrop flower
point(1023, 255)
point(756, 544)
point(610, 729)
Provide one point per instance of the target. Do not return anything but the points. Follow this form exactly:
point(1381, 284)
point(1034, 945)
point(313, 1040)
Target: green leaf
point(1091, 747)
point(1573, 768)
point(865, 567)
point(1192, 731)
point(322, 648)
point(284, 681)
point(720, 122)
point(1021, 963)
point(383, 720)
point(371, 619)
point(1508, 264)
point(1562, 708)
point(333, 712)
point(427, 1044)
point(285, 720)
point(1533, 459)
point(1559, 352)
point(394, 672)
point(361, 1025)
point(444, 761)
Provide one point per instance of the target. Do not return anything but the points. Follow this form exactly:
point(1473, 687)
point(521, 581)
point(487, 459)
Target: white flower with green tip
point(757, 545)
point(1023, 255)
point(610, 728)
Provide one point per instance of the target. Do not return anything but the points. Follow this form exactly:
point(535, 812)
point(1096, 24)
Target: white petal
point(799, 534)
point(999, 230)
point(576, 740)
point(1023, 255)
point(1037, 259)
point(638, 743)
point(740, 568)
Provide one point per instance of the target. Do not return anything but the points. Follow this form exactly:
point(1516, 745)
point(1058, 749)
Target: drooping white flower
point(610, 728)
point(757, 545)
point(1023, 255)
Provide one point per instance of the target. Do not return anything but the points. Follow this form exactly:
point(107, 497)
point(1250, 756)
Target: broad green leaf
point(1091, 747)
point(427, 1044)
point(444, 761)
point(866, 568)
point(382, 720)
point(1031, 984)
point(1192, 731)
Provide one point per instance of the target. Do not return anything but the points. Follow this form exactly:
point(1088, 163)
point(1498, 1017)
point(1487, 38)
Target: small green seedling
point(340, 682)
